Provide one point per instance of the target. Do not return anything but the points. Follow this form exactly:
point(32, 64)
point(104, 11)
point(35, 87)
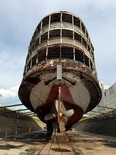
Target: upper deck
point(61, 35)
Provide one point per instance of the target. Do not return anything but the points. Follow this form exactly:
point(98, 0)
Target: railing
point(58, 25)
point(64, 40)
point(88, 70)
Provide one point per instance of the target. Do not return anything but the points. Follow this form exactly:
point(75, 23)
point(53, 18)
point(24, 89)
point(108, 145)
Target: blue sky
point(18, 20)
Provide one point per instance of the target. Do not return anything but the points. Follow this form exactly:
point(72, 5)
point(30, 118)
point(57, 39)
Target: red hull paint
point(65, 94)
point(68, 102)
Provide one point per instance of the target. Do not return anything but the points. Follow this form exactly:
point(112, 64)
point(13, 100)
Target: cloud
point(12, 92)
point(20, 18)
point(11, 67)
point(98, 4)
point(104, 4)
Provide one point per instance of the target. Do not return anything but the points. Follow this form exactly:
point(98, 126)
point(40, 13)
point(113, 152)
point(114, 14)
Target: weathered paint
point(79, 84)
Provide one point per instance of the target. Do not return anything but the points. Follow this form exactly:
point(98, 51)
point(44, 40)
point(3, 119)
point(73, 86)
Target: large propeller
point(61, 112)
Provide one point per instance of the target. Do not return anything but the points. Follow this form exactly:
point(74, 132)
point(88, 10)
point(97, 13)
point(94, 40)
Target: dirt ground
point(81, 143)
point(92, 144)
point(19, 148)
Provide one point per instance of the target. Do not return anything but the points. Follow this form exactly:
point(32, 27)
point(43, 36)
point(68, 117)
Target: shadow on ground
point(32, 137)
point(9, 146)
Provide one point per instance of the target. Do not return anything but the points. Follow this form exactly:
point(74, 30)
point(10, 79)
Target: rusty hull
point(32, 77)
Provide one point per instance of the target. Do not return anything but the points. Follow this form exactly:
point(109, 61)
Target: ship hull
point(47, 106)
point(78, 89)
point(61, 38)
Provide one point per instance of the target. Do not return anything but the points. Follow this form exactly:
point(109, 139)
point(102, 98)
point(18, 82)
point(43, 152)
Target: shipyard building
point(108, 101)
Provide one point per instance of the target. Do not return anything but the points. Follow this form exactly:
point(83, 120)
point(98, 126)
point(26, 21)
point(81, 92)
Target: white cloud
point(105, 4)
point(98, 4)
point(20, 18)
point(12, 92)
point(11, 67)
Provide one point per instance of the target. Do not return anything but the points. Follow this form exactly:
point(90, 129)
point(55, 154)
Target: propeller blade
point(56, 105)
point(65, 112)
point(62, 107)
point(49, 117)
point(68, 113)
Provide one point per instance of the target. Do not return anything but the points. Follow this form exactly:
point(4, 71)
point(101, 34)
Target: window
point(76, 22)
point(86, 60)
point(88, 48)
point(84, 43)
point(44, 37)
point(67, 18)
point(67, 52)
point(53, 52)
point(83, 27)
point(78, 55)
point(36, 43)
point(54, 34)
point(33, 61)
point(42, 55)
point(38, 27)
point(55, 18)
point(77, 37)
point(45, 21)
point(91, 65)
point(28, 66)
point(67, 33)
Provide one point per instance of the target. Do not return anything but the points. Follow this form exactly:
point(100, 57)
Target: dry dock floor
point(78, 143)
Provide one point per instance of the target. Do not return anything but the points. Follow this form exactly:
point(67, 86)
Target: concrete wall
point(13, 125)
point(104, 115)
point(103, 126)
point(108, 99)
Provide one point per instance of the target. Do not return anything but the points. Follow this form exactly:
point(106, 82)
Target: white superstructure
point(108, 101)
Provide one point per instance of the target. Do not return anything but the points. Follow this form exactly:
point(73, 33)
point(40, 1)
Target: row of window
point(57, 17)
point(60, 33)
point(57, 52)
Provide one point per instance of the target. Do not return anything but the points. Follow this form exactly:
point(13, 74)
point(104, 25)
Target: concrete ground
point(103, 125)
point(92, 144)
point(81, 143)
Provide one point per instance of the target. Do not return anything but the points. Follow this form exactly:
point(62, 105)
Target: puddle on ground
point(60, 150)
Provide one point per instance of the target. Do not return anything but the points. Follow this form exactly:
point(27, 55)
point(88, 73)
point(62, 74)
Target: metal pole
point(5, 134)
point(16, 132)
point(59, 104)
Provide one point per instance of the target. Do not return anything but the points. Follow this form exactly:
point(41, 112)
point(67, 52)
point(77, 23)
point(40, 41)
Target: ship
point(60, 81)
